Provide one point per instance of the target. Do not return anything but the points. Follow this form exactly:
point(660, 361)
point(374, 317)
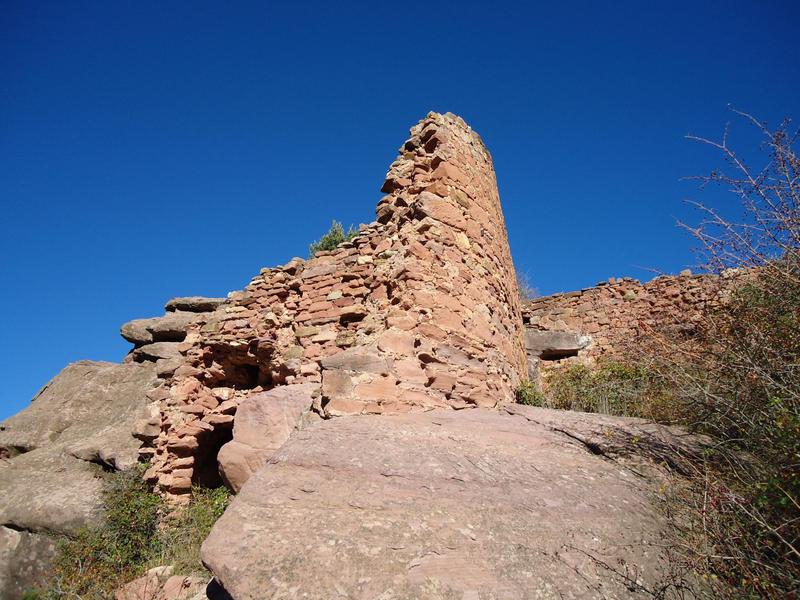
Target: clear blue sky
point(150, 150)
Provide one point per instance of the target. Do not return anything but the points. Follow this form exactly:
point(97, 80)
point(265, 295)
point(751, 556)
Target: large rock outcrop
point(76, 425)
point(524, 503)
point(53, 454)
point(25, 559)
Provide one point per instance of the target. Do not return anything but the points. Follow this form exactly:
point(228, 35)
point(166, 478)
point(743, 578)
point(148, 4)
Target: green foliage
point(529, 394)
point(745, 391)
point(613, 388)
point(335, 236)
point(134, 538)
point(95, 562)
point(187, 530)
point(740, 381)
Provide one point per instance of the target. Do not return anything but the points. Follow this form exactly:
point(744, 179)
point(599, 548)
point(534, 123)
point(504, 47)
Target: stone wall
point(602, 321)
point(419, 310)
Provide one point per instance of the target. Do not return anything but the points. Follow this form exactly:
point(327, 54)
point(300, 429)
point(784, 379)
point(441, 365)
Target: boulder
point(24, 562)
point(136, 332)
point(53, 456)
point(171, 327)
point(78, 424)
point(442, 504)
point(263, 423)
point(157, 351)
point(159, 583)
point(553, 345)
point(194, 304)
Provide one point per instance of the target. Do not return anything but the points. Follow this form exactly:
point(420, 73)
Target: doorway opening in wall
point(206, 470)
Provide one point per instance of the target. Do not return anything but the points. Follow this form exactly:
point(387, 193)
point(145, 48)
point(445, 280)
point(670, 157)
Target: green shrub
point(335, 236)
point(744, 391)
point(137, 535)
point(186, 531)
point(95, 562)
point(612, 388)
point(529, 394)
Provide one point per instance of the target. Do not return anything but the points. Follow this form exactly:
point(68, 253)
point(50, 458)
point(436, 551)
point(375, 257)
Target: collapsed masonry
point(419, 310)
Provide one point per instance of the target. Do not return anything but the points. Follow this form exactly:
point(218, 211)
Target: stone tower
point(419, 310)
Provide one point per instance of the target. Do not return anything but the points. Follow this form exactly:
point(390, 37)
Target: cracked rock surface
point(478, 503)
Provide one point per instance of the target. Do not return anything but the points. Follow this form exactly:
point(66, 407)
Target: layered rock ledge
point(524, 503)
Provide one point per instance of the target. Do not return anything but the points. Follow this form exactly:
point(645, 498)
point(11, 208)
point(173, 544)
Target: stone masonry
point(420, 310)
point(601, 322)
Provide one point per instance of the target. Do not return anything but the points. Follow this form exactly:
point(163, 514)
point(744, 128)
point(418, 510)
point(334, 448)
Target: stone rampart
point(602, 322)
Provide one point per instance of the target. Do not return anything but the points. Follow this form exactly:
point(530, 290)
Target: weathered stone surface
point(157, 351)
point(263, 423)
point(159, 583)
point(172, 326)
point(24, 562)
point(361, 360)
point(554, 343)
point(194, 304)
point(136, 332)
point(442, 504)
point(80, 420)
point(169, 328)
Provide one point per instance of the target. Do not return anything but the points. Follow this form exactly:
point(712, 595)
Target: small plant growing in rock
point(528, 393)
point(526, 291)
point(336, 235)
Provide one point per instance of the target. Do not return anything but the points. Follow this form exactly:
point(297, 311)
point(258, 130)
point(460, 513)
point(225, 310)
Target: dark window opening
point(558, 354)
point(238, 367)
point(206, 472)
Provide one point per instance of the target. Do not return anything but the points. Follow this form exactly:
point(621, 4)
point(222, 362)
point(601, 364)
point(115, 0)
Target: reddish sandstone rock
point(263, 423)
point(447, 504)
point(159, 583)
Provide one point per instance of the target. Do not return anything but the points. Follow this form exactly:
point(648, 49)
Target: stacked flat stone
point(420, 310)
point(606, 319)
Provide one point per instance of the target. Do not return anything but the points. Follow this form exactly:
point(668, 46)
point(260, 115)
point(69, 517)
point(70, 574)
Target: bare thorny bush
point(736, 377)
